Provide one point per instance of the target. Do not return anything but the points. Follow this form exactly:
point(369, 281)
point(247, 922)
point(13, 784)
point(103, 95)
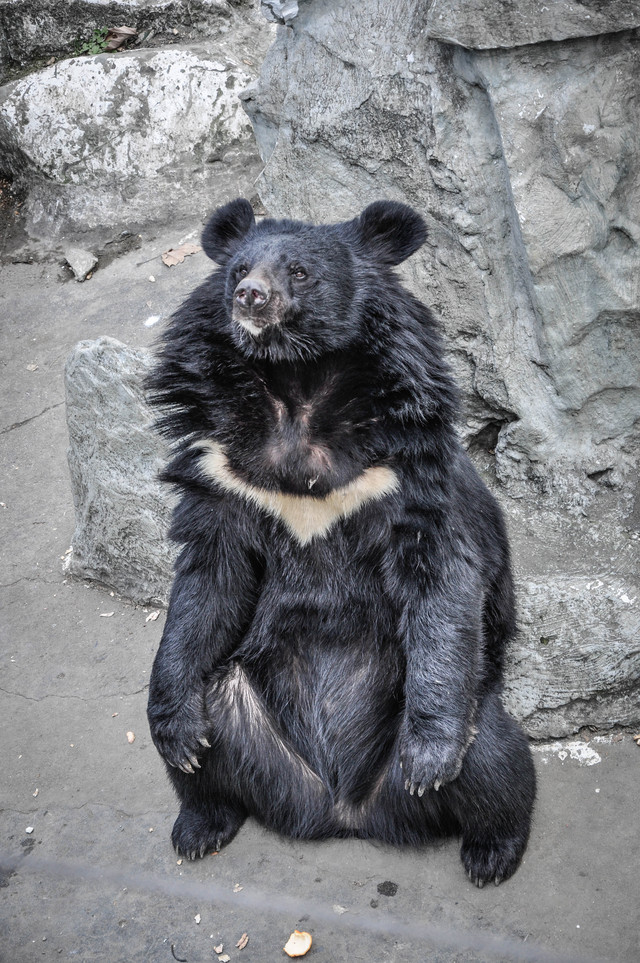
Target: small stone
point(81, 262)
point(29, 830)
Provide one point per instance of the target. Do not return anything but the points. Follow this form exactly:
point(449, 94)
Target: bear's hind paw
point(195, 834)
point(491, 860)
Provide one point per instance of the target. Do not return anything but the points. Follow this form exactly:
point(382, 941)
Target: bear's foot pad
point(491, 861)
point(196, 834)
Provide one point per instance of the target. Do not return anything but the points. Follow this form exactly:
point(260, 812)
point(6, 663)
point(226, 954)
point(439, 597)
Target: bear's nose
point(252, 293)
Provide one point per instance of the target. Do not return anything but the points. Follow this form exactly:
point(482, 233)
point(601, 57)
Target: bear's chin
point(274, 342)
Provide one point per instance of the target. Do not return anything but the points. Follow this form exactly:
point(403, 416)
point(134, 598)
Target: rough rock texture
point(122, 512)
point(524, 162)
point(482, 24)
point(557, 680)
point(280, 11)
point(138, 137)
point(81, 262)
point(117, 141)
point(561, 677)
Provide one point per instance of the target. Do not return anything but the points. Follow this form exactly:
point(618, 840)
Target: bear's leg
point(249, 767)
point(208, 820)
point(493, 796)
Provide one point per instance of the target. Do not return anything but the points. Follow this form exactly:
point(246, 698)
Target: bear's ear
point(390, 231)
point(226, 228)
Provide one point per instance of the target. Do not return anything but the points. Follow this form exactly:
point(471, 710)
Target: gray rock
point(81, 262)
point(577, 660)
point(481, 24)
point(119, 140)
point(279, 11)
point(569, 116)
point(122, 512)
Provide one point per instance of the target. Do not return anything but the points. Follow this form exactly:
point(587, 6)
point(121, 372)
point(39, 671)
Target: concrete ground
point(87, 868)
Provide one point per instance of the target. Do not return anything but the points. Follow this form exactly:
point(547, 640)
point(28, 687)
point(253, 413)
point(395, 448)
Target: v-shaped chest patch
point(305, 517)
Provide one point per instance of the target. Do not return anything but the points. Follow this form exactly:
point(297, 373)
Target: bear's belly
point(330, 678)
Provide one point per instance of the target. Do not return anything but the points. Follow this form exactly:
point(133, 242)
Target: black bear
point(332, 657)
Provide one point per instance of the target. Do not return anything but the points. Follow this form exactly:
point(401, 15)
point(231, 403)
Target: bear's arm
point(212, 601)
point(437, 579)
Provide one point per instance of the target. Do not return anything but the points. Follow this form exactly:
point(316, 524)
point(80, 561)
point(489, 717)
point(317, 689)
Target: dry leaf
point(237, 888)
point(131, 737)
point(219, 948)
point(32, 367)
point(197, 917)
point(106, 615)
point(242, 942)
point(177, 255)
point(117, 36)
point(152, 616)
point(35, 793)
point(298, 943)
point(224, 958)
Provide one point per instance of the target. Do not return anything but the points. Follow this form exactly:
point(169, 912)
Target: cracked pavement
point(75, 663)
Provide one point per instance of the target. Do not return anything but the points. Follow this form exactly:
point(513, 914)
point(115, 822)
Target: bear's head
point(295, 291)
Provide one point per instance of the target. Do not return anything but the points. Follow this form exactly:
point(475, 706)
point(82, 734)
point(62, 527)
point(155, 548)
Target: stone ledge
point(486, 24)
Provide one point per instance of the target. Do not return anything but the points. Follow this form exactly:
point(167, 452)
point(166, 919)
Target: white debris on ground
point(577, 751)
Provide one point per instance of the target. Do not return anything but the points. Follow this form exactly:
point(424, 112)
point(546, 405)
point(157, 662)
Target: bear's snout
point(252, 294)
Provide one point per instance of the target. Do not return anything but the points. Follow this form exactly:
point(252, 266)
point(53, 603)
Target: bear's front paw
point(429, 761)
point(180, 738)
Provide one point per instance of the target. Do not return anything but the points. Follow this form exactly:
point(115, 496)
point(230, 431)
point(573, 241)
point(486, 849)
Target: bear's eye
point(243, 270)
point(298, 272)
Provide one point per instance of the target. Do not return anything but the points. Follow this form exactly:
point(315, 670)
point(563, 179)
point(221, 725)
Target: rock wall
point(522, 153)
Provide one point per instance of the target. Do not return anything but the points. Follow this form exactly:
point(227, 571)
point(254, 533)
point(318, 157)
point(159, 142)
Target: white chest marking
point(305, 517)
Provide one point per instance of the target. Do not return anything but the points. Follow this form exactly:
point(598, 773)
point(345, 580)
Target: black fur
point(345, 684)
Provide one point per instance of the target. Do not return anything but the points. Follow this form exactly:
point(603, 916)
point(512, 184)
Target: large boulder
point(122, 513)
point(121, 140)
point(576, 661)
